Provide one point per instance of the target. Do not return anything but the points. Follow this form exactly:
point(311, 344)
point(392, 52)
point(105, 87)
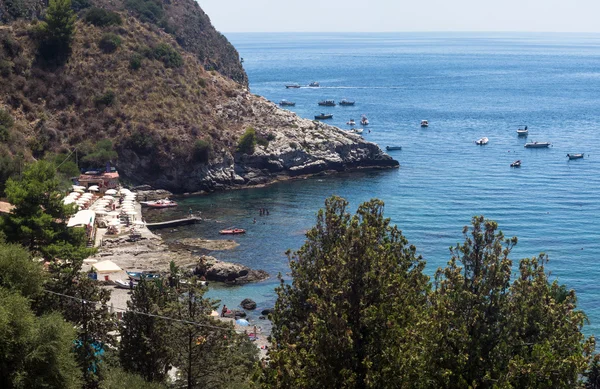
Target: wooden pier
point(173, 223)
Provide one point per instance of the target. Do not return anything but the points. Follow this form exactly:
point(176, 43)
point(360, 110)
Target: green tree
point(6, 123)
point(352, 316)
point(57, 30)
point(487, 332)
point(18, 272)
point(100, 153)
point(39, 219)
point(247, 141)
point(144, 347)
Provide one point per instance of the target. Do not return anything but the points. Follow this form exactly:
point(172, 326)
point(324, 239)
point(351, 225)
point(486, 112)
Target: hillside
point(173, 124)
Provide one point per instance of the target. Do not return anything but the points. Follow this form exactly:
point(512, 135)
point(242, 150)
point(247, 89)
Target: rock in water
point(248, 304)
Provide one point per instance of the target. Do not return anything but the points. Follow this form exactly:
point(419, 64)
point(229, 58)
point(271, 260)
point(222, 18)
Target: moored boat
point(424, 123)
point(163, 203)
point(324, 116)
point(392, 148)
point(286, 103)
point(148, 275)
point(357, 130)
point(292, 86)
point(327, 103)
point(575, 156)
point(364, 121)
point(482, 141)
point(351, 122)
point(123, 284)
point(522, 131)
point(346, 102)
point(537, 145)
point(517, 163)
point(314, 84)
point(232, 231)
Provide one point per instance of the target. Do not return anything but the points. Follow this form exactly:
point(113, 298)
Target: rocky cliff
point(174, 124)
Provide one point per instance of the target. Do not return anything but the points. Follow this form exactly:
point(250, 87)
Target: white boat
point(351, 122)
point(537, 145)
point(314, 84)
point(123, 284)
point(424, 123)
point(482, 141)
point(357, 130)
point(364, 121)
point(522, 131)
point(575, 156)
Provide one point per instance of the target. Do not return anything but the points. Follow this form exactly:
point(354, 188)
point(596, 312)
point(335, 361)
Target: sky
point(399, 16)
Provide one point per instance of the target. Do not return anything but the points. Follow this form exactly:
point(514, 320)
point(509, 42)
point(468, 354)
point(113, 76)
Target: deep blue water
point(467, 86)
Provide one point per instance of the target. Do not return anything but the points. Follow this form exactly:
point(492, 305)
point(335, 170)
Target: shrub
point(141, 141)
point(167, 54)
point(100, 17)
point(11, 47)
point(202, 82)
point(270, 136)
point(109, 42)
point(56, 32)
point(202, 150)
point(78, 5)
point(6, 123)
point(100, 153)
point(262, 141)
point(135, 62)
point(107, 99)
point(146, 10)
point(247, 142)
point(294, 145)
point(5, 68)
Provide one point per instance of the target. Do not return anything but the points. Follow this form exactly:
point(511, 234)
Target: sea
point(468, 86)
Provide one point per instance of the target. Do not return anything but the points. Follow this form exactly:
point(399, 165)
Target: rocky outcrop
point(214, 270)
point(152, 194)
point(248, 304)
point(291, 147)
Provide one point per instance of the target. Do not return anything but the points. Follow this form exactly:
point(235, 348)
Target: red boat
point(166, 203)
point(232, 231)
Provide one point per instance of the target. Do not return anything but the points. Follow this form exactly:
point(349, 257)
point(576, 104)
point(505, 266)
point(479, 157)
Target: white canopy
point(82, 218)
point(111, 192)
point(75, 187)
point(94, 188)
point(106, 267)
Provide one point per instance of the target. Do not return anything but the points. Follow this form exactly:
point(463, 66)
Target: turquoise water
point(467, 86)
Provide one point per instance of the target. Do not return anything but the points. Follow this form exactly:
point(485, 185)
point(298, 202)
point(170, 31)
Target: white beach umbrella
point(68, 200)
point(94, 188)
point(75, 187)
point(78, 190)
point(109, 197)
point(100, 212)
point(111, 192)
point(75, 194)
point(124, 191)
point(131, 213)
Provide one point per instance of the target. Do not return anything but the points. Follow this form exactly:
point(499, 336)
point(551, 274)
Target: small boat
point(327, 103)
point(351, 122)
point(346, 102)
point(522, 131)
point(364, 121)
point(392, 148)
point(292, 86)
point(482, 141)
point(148, 275)
point(123, 284)
point(314, 84)
point(424, 123)
point(164, 203)
point(517, 163)
point(324, 116)
point(357, 130)
point(232, 231)
point(285, 103)
point(537, 145)
point(575, 156)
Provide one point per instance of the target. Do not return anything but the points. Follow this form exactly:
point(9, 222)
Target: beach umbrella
point(78, 190)
point(111, 192)
point(75, 194)
point(114, 222)
point(124, 190)
point(131, 213)
point(109, 197)
point(114, 213)
point(242, 322)
point(94, 188)
point(100, 212)
point(75, 187)
point(68, 200)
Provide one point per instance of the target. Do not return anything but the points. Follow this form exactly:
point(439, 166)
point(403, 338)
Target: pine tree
point(56, 32)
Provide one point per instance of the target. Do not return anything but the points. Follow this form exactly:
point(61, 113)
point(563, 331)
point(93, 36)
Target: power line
point(144, 313)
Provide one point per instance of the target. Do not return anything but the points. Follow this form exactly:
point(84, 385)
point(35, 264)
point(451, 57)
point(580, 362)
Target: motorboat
point(285, 103)
point(232, 231)
point(351, 122)
point(327, 103)
point(537, 145)
point(517, 163)
point(147, 275)
point(522, 131)
point(392, 148)
point(292, 86)
point(163, 203)
point(364, 121)
point(482, 141)
point(346, 102)
point(314, 84)
point(424, 123)
point(575, 156)
point(357, 130)
point(123, 284)
point(323, 116)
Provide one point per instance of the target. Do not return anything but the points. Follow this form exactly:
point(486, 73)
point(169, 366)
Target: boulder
point(233, 273)
point(265, 312)
point(248, 304)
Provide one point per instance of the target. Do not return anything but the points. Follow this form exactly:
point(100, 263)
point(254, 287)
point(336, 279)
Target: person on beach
point(190, 213)
point(224, 310)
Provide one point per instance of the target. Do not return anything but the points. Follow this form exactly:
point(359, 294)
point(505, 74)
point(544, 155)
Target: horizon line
point(412, 32)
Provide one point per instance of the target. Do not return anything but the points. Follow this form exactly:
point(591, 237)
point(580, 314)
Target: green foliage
point(117, 378)
point(487, 331)
point(18, 272)
point(354, 312)
point(202, 150)
point(35, 352)
point(135, 61)
point(109, 42)
point(78, 5)
point(56, 32)
point(101, 153)
point(6, 68)
point(247, 142)
point(105, 100)
point(167, 54)
point(147, 10)
point(100, 17)
point(141, 141)
point(9, 166)
point(271, 137)
point(66, 166)
point(39, 218)
point(294, 145)
point(6, 123)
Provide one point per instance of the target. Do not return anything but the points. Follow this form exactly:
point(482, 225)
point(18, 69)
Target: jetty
point(173, 223)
